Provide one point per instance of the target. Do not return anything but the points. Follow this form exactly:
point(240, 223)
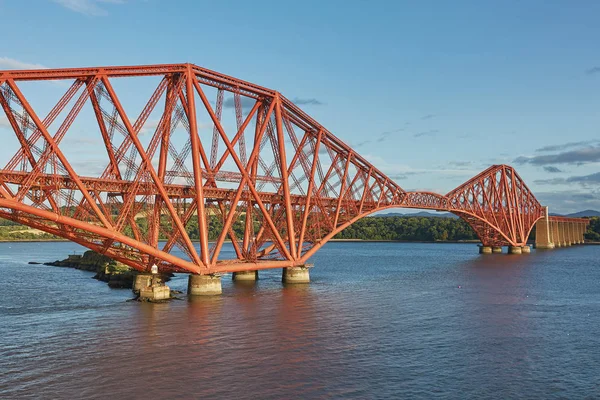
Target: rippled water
point(379, 320)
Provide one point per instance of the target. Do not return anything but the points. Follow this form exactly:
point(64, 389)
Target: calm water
point(379, 320)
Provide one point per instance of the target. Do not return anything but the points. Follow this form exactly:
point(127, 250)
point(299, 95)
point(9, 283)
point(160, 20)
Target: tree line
point(427, 229)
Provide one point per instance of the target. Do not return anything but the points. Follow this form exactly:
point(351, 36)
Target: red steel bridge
point(206, 153)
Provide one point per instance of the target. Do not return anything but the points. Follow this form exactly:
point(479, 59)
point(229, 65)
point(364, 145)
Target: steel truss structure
point(270, 178)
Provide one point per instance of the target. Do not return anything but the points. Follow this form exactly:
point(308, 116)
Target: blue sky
point(431, 92)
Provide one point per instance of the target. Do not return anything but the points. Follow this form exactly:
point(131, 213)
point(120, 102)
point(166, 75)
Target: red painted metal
point(290, 184)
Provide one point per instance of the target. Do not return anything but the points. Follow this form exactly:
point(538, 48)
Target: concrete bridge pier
point(296, 274)
point(141, 281)
point(526, 249)
point(576, 234)
point(496, 249)
point(556, 234)
point(485, 249)
point(562, 235)
point(545, 238)
point(515, 249)
point(150, 287)
point(559, 231)
point(245, 276)
point(204, 285)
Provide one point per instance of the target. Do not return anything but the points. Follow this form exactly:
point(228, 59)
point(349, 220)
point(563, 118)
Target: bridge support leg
point(204, 285)
point(485, 249)
point(526, 249)
point(496, 249)
point(514, 250)
point(296, 274)
point(245, 276)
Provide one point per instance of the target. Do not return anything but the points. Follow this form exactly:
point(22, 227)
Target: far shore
point(330, 240)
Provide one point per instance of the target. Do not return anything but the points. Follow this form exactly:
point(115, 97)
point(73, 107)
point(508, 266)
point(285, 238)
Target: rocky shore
point(114, 273)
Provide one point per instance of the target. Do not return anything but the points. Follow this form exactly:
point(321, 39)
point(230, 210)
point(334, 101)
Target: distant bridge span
point(207, 153)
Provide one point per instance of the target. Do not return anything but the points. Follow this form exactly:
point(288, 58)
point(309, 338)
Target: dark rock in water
point(33, 263)
point(116, 274)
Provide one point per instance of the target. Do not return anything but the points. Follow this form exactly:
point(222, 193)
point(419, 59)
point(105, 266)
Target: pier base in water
point(145, 280)
point(514, 250)
point(155, 292)
point(496, 249)
point(150, 287)
point(296, 274)
point(525, 249)
point(245, 276)
point(204, 285)
point(485, 249)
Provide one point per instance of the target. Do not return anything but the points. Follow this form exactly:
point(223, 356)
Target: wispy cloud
point(593, 70)
point(565, 146)
point(580, 156)
point(431, 132)
point(11, 63)
point(452, 176)
point(460, 163)
point(565, 202)
point(551, 169)
point(247, 102)
point(428, 116)
point(360, 144)
point(386, 133)
point(382, 137)
point(90, 8)
point(310, 102)
point(550, 181)
point(583, 180)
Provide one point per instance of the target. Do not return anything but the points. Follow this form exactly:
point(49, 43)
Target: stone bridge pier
point(553, 231)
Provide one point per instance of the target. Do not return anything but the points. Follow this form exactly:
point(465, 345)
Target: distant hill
point(419, 214)
point(580, 214)
point(586, 213)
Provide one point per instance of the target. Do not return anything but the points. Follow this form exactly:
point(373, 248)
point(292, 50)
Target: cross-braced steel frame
point(271, 180)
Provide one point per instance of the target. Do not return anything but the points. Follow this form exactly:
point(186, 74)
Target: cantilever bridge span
point(206, 153)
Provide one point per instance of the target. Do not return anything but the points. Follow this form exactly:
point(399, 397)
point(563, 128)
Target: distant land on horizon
point(579, 214)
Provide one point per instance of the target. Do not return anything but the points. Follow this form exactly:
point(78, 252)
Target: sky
point(430, 92)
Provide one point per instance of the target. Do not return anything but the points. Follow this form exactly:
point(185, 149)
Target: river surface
point(378, 320)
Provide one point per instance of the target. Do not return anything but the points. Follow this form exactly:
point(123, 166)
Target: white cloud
point(88, 7)
point(4, 122)
point(11, 63)
point(149, 127)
